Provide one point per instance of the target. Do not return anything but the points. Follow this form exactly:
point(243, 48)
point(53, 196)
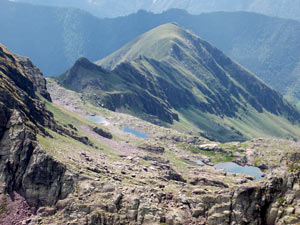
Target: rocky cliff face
point(24, 166)
point(273, 202)
point(35, 75)
point(27, 169)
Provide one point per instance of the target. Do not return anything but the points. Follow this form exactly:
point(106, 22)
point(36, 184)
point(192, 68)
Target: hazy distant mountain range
point(113, 8)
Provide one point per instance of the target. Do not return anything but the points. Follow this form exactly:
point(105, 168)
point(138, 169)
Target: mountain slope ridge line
point(169, 73)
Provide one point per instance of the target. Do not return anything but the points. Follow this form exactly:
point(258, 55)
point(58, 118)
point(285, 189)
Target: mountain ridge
point(110, 8)
point(185, 74)
point(174, 52)
point(246, 37)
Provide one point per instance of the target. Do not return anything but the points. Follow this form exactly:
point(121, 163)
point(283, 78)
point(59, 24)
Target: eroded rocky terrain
point(56, 168)
point(157, 180)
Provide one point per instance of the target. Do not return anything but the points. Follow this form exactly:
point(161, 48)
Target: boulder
point(153, 149)
point(102, 133)
point(173, 175)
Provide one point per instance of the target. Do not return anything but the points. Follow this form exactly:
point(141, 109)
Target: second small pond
point(235, 168)
point(138, 133)
point(97, 119)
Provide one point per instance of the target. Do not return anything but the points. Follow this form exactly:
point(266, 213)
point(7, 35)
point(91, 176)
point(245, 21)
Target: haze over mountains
point(172, 75)
point(55, 38)
point(112, 8)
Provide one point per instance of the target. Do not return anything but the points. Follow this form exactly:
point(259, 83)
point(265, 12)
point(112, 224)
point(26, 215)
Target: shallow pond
point(135, 132)
point(97, 119)
point(235, 168)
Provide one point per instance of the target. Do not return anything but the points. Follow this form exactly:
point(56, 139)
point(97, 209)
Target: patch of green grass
point(232, 148)
point(3, 205)
point(177, 162)
point(243, 145)
point(281, 200)
point(257, 162)
point(62, 146)
point(225, 158)
point(214, 156)
point(262, 125)
point(294, 168)
point(64, 116)
point(210, 154)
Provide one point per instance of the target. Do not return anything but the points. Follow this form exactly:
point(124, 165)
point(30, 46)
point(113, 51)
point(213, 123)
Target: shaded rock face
point(35, 75)
point(17, 92)
point(27, 169)
point(136, 103)
point(98, 85)
point(208, 182)
point(273, 202)
point(24, 165)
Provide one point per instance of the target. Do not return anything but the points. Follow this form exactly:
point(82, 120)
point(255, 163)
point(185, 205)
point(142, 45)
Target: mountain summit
point(159, 43)
point(172, 74)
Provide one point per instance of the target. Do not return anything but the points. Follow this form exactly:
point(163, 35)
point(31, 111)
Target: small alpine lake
point(235, 168)
point(138, 133)
point(97, 119)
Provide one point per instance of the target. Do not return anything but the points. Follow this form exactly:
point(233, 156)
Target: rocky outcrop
point(153, 149)
point(207, 182)
point(25, 167)
point(273, 201)
point(35, 75)
point(28, 170)
point(17, 92)
point(102, 132)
